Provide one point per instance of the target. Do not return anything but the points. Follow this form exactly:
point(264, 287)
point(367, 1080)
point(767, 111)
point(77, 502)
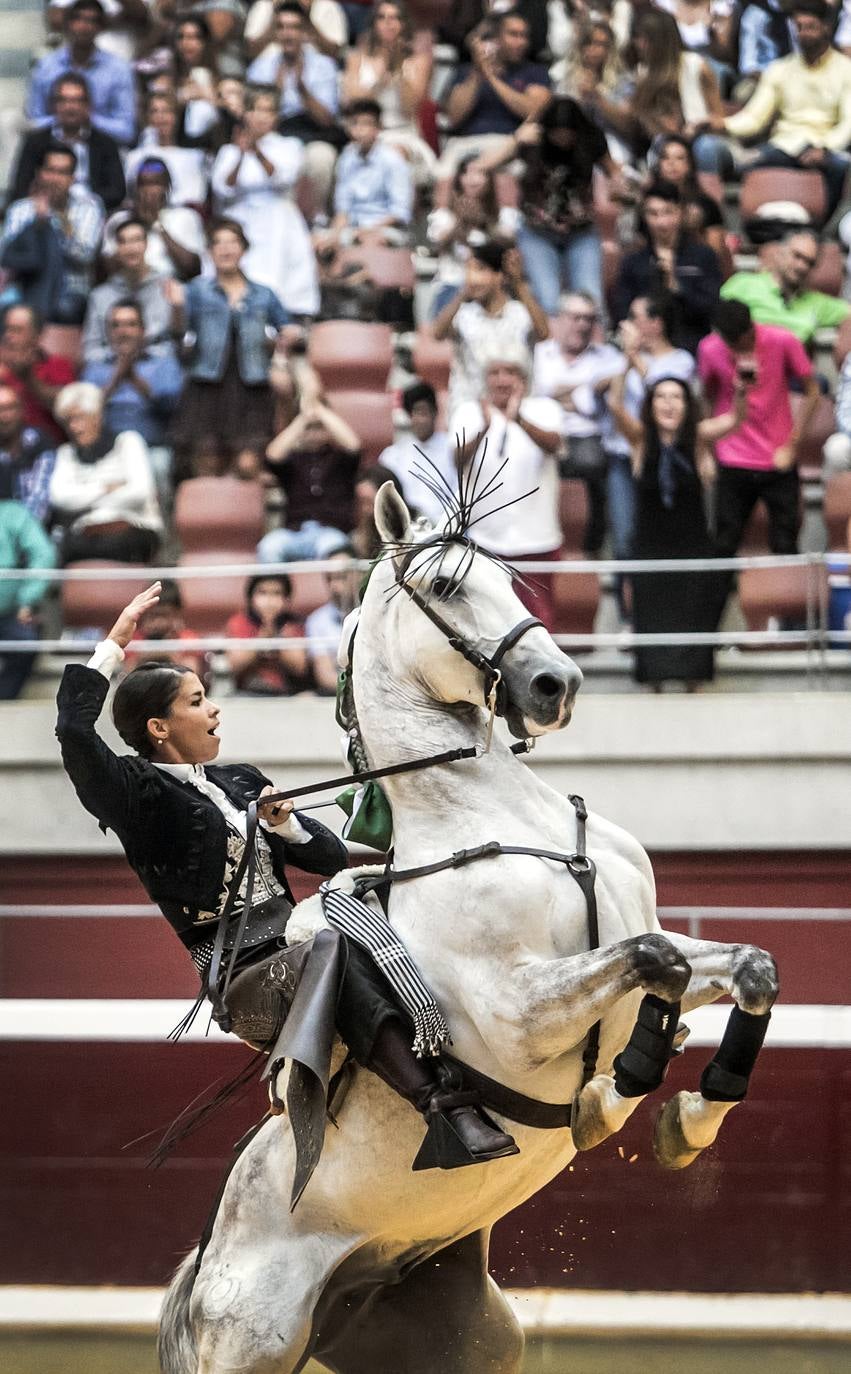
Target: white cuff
point(290, 829)
point(106, 658)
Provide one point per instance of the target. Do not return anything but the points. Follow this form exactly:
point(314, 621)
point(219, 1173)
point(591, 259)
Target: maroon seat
point(576, 599)
point(829, 270)
point(209, 601)
point(432, 359)
point(819, 430)
point(349, 355)
point(573, 513)
point(99, 599)
point(219, 512)
point(370, 414)
point(764, 184)
point(781, 593)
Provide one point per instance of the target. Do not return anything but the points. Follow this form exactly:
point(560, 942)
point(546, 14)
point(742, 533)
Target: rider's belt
point(267, 921)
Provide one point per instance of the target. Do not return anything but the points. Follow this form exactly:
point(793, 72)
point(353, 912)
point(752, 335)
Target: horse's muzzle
point(541, 693)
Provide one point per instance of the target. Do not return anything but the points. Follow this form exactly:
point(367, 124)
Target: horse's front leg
point(690, 1121)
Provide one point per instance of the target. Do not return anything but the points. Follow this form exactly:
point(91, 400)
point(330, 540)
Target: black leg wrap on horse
point(641, 1067)
point(725, 1078)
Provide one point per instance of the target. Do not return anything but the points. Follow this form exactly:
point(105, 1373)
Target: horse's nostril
point(548, 686)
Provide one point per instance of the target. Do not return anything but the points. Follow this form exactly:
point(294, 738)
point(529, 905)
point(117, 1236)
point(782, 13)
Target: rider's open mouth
point(213, 732)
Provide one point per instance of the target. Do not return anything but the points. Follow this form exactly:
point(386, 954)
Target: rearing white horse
point(380, 1267)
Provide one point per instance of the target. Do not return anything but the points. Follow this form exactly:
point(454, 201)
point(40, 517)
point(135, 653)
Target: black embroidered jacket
point(174, 837)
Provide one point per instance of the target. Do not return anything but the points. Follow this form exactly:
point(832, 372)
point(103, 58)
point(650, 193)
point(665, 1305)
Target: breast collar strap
point(487, 666)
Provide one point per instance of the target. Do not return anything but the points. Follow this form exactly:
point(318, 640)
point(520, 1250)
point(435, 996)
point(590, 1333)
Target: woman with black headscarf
point(671, 460)
point(558, 240)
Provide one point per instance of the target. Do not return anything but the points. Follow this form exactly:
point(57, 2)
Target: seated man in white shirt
point(323, 627)
point(427, 450)
point(576, 370)
point(520, 521)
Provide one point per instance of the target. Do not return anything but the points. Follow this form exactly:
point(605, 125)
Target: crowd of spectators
point(196, 187)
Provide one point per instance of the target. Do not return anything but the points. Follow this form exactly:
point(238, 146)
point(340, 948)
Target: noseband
point(487, 666)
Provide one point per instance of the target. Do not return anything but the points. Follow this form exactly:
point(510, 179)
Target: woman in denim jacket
point(226, 414)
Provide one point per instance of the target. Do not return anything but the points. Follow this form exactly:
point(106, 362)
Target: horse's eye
point(442, 588)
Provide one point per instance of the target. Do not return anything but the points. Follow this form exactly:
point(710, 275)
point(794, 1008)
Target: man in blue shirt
point(140, 390)
point(493, 95)
point(309, 101)
point(374, 189)
point(109, 79)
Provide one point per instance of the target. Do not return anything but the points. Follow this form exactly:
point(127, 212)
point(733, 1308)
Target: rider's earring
point(160, 741)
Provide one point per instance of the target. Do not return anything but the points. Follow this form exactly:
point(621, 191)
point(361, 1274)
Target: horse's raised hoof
point(670, 1146)
point(589, 1124)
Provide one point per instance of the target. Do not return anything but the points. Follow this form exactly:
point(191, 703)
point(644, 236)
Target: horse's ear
point(392, 517)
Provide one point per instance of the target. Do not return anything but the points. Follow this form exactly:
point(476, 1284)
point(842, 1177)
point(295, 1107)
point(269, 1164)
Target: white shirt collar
point(184, 772)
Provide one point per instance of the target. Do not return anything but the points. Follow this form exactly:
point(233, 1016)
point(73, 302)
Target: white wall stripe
point(150, 1020)
point(541, 1311)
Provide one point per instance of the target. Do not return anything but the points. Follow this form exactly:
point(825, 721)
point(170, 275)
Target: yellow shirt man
point(800, 105)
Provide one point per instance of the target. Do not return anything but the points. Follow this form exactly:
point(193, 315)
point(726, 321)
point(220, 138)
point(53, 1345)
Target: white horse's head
point(447, 611)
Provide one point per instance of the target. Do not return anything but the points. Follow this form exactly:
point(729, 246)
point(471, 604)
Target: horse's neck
point(399, 722)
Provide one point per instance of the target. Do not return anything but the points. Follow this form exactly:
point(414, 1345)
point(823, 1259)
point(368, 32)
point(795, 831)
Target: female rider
point(182, 825)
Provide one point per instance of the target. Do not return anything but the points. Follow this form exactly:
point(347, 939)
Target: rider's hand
point(125, 626)
point(274, 813)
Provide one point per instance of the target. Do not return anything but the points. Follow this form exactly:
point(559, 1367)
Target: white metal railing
point(814, 637)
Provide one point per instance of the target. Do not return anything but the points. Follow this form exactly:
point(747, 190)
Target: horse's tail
point(175, 1342)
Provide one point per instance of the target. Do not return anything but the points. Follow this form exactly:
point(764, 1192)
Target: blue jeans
point(575, 262)
point(310, 541)
point(712, 155)
point(834, 170)
point(15, 668)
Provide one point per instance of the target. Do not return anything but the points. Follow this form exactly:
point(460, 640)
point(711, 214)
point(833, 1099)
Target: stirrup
point(443, 1146)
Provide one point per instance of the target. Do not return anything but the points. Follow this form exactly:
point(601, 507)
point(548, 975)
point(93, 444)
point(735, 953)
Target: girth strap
point(528, 1111)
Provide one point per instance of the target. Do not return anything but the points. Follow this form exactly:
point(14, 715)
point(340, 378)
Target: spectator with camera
point(758, 461)
point(499, 89)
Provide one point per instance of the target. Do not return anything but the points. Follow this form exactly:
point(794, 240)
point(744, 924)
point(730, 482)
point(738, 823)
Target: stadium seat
point(209, 601)
point(432, 359)
point(388, 268)
point(576, 597)
point(349, 355)
point(370, 414)
point(764, 184)
point(781, 594)
point(219, 512)
point(837, 511)
point(829, 271)
point(309, 591)
point(65, 340)
point(821, 426)
point(98, 600)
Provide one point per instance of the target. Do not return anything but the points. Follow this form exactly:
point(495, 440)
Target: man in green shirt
point(779, 295)
point(23, 544)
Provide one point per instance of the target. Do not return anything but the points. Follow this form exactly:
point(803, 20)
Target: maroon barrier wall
point(766, 1209)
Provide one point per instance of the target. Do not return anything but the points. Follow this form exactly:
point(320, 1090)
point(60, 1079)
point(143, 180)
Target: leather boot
point(459, 1131)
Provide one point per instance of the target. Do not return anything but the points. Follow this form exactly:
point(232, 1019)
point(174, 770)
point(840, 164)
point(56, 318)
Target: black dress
point(671, 523)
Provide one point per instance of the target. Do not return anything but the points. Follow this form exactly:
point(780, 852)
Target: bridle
point(488, 666)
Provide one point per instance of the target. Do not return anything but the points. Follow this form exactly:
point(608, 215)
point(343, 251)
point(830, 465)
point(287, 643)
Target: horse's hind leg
point(447, 1316)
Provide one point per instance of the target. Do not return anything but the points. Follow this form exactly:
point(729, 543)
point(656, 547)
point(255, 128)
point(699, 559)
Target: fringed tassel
point(183, 1026)
point(431, 1033)
point(193, 1117)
